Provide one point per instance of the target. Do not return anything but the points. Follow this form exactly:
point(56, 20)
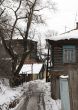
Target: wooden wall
point(57, 57)
point(76, 53)
point(73, 85)
point(59, 68)
point(18, 46)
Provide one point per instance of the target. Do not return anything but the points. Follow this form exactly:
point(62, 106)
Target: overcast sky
point(65, 16)
point(61, 20)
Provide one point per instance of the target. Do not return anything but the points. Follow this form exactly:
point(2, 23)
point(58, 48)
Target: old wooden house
point(64, 59)
point(5, 62)
point(17, 44)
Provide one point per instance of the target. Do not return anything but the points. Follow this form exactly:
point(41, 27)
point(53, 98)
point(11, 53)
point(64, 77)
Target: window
point(69, 55)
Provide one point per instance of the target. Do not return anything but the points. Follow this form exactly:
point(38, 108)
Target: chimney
point(76, 25)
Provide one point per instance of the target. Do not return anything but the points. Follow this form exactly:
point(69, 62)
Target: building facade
point(64, 59)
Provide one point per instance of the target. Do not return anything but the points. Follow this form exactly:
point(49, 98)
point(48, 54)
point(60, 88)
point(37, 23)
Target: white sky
point(67, 12)
point(65, 16)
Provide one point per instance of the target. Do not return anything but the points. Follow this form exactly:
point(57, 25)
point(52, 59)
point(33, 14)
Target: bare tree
point(51, 33)
point(26, 11)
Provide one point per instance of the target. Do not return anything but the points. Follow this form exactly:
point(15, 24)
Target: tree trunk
point(13, 81)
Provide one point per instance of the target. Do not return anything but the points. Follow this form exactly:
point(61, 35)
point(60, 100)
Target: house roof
point(72, 34)
point(31, 68)
point(20, 38)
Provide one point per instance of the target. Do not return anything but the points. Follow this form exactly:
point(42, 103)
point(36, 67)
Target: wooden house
point(5, 62)
point(64, 60)
point(17, 44)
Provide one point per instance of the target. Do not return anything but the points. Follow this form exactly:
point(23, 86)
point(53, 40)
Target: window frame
point(69, 49)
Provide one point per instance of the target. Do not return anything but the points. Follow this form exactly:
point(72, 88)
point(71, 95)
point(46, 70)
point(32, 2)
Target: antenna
point(66, 28)
point(76, 19)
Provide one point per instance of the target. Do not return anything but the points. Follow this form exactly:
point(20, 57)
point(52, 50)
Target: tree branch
point(1, 2)
point(2, 12)
point(30, 19)
point(18, 6)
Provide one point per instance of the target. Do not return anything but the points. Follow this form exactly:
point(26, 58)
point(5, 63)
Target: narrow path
point(32, 104)
point(33, 99)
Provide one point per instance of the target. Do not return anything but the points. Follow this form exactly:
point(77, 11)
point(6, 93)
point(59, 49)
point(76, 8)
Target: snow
point(50, 104)
point(73, 34)
point(8, 95)
point(31, 68)
point(64, 77)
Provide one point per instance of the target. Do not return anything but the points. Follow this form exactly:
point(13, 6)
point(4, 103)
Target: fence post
point(64, 93)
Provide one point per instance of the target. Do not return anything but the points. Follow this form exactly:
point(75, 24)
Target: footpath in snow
point(37, 91)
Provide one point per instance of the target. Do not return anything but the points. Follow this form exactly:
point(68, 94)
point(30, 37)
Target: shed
point(31, 71)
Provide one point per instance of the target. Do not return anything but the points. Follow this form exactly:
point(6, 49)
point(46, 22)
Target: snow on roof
point(31, 68)
point(21, 38)
point(73, 34)
point(64, 77)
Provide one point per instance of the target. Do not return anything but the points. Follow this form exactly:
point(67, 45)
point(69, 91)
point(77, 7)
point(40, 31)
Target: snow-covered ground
point(11, 97)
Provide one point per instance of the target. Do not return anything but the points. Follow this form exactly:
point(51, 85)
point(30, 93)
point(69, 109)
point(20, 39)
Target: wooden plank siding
point(76, 54)
point(57, 58)
point(72, 70)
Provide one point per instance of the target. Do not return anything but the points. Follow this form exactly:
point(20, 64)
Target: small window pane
point(69, 54)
